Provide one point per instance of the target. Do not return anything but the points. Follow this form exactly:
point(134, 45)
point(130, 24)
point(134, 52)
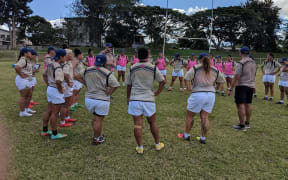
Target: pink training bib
point(135, 60)
point(219, 66)
point(229, 68)
point(191, 64)
point(161, 63)
point(122, 61)
point(212, 61)
point(91, 60)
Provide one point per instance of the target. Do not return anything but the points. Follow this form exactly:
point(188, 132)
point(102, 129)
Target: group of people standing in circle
point(66, 71)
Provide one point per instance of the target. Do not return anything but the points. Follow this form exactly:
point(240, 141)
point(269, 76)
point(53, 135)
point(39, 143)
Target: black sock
point(247, 123)
point(45, 128)
point(54, 132)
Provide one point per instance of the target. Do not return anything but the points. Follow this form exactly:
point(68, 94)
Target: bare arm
point(188, 85)
point(160, 88)
point(234, 82)
point(18, 71)
point(110, 91)
point(45, 78)
point(59, 87)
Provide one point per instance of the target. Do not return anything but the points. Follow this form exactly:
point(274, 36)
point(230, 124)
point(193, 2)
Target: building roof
point(4, 28)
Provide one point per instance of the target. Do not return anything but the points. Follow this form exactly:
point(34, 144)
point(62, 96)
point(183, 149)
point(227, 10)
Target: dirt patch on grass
point(4, 151)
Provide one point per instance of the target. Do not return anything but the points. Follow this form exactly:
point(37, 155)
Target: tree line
point(255, 23)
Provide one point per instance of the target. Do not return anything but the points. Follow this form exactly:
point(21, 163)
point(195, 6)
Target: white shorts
point(77, 85)
point(34, 81)
point(269, 78)
point(138, 108)
point(283, 83)
point(23, 83)
point(121, 68)
point(178, 74)
point(201, 101)
point(54, 96)
point(97, 107)
point(68, 90)
point(163, 72)
point(228, 76)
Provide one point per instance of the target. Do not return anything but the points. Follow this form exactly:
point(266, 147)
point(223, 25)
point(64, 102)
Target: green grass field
point(259, 153)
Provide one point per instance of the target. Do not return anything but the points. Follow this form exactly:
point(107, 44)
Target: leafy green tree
point(12, 13)
point(38, 30)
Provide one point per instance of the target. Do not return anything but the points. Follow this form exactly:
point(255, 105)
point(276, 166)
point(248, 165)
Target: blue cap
point(122, 50)
point(177, 55)
point(283, 59)
point(109, 45)
point(59, 53)
point(100, 60)
point(25, 50)
point(202, 55)
point(193, 54)
point(218, 57)
point(245, 50)
point(34, 53)
point(51, 48)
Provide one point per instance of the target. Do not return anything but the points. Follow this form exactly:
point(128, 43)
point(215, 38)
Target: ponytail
point(206, 65)
point(20, 55)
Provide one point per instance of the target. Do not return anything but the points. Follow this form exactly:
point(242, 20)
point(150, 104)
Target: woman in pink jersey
point(221, 68)
point(191, 62)
point(161, 64)
point(229, 71)
point(90, 59)
point(121, 66)
point(135, 59)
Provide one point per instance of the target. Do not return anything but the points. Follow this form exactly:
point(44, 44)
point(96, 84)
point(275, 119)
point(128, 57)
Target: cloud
point(195, 10)
point(191, 10)
point(283, 4)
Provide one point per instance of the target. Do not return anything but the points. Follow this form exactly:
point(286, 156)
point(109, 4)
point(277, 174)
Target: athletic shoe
point(65, 125)
point(265, 98)
point(279, 102)
point(270, 99)
point(170, 89)
point(217, 92)
point(202, 141)
point(58, 136)
point(222, 94)
point(28, 110)
point(34, 103)
point(79, 106)
point(139, 151)
point(45, 133)
point(159, 147)
point(99, 140)
point(25, 114)
point(30, 106)
point(239, 127)
point(181, 136)
point(73, 109)
point(70, 120)
point(247, 125)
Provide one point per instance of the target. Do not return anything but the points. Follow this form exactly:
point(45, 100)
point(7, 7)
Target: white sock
point(186, 135)
point(26, 109)
point(202, 138)
point(282, 101)
point(222, 91)
point(158, 144)
point(68, 117)
point(265, 96)
point(140, 147)
point(62, 122)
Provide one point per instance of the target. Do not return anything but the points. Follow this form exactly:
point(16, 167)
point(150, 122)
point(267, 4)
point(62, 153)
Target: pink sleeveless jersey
point(122, 61)
point(91, 60)
point(212, 61)
point(135, 60)
point(229, 68)
point(219, 66)
point(161, 64)
point(191, 64)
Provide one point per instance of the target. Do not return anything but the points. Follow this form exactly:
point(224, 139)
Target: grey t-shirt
point(178, 65)
point(270, 66)
point(283, 75)
point(247, 69)
point(141, 77)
